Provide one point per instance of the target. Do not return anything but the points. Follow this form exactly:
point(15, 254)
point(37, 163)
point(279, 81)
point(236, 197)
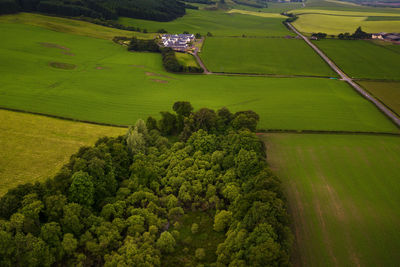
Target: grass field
point(186, 59)
point(386, 92)
point(362, 59)
point(34, 147)
point(110, 85)
point(343, 193)
point(263, 55)
point(219, 23)
point(70, 26)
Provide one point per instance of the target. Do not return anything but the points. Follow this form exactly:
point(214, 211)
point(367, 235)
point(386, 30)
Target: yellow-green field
point(343, 193)
point(335, 21)
point(35, 147)
point(386, 92)
point(254, 13)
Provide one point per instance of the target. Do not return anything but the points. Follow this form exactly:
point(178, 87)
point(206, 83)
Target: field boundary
point(63, 118)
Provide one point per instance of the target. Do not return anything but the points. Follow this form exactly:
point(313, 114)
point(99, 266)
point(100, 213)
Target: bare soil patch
point(157, 75)
point(60, 65)
point(159, 81)
point(68, 54)
point(51, 45)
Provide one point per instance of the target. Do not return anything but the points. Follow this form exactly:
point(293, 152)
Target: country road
point(346, 78)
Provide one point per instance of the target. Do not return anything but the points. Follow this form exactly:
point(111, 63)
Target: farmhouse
point(178, 42)
point(392, 37)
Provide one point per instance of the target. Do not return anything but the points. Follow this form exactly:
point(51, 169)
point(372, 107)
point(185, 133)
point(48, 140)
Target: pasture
point(263, 55)
point(34, 147)
point(362, 59)
point(343, 194)
point(70, 26)
point(333, 24)
point(110, 85)
point(386, 92)
point(219, 23)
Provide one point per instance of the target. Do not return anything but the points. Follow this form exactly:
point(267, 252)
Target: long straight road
point(346, 78)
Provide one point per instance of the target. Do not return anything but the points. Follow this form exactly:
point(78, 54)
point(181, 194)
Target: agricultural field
point(219, 23)
point(343, 195)
point(96, 80)
point(33, 148)
point(186, 60)
point(386, 92)
point(70, 26)
point(362, 59)
point(263, 55)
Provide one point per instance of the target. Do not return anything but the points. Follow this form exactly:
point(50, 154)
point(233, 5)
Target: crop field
point(34, 147)
point(186, 60)
point(70, 26)
point(263, 55)
point(362, 59)
point(343, 193)
point(386, 92)
point(219, 23)
point(96, 80)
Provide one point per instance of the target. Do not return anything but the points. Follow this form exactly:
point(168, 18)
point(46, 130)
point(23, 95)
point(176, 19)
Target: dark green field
point(263, 55)
point(362, 59)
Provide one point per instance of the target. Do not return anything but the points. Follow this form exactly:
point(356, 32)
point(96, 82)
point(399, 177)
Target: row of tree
point(159, 10)
point(120, 203)
point(358, 34)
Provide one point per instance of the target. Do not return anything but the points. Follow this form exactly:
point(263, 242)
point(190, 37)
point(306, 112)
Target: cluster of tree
point(256, 4)
point(111, 24)
point(8, 7)
point(319, 35)
point(358, 34)
point(143, 45)
point(206, 2)
point(114, 204)
point(172, 64)
point(160, 10)
point(291, 17)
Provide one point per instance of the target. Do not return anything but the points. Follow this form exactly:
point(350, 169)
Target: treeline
point(8, 7)
point(251, 4)
point(358, 34)
point(159, 10)
point(170, 62)
point(120, 202)
point(206, 2)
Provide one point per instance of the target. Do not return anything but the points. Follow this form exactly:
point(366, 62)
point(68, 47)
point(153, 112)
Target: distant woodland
point(148, 198)
point(159, 10)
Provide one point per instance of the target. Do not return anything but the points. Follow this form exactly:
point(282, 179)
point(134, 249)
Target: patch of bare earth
point(60, 65)
point(68, 54)
point(51, 45)
point(159, 81)
point(157, 75)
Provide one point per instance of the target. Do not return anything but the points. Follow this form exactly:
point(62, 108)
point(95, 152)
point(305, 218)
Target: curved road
point(346, 78)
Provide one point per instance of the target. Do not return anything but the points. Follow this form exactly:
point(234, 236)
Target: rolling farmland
point(219, 23)
point(263, 55)
point(111, 85)
point(343, 194)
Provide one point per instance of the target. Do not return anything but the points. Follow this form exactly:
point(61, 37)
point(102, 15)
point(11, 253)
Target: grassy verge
point(343, 194)
point(35, 147)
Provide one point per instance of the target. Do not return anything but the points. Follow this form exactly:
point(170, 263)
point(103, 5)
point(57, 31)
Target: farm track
point(350, 81)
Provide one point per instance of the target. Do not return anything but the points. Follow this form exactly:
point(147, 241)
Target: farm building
point(178, 42)
point(392, 37)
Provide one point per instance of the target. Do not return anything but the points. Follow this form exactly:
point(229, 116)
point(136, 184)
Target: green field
point(219, 23)
point(386, 92)
point(70, 26)
point(109, 84)
point(263, 55)
point(186, 59)
point(34, 147)
point(362, 59)
point(344, 195)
